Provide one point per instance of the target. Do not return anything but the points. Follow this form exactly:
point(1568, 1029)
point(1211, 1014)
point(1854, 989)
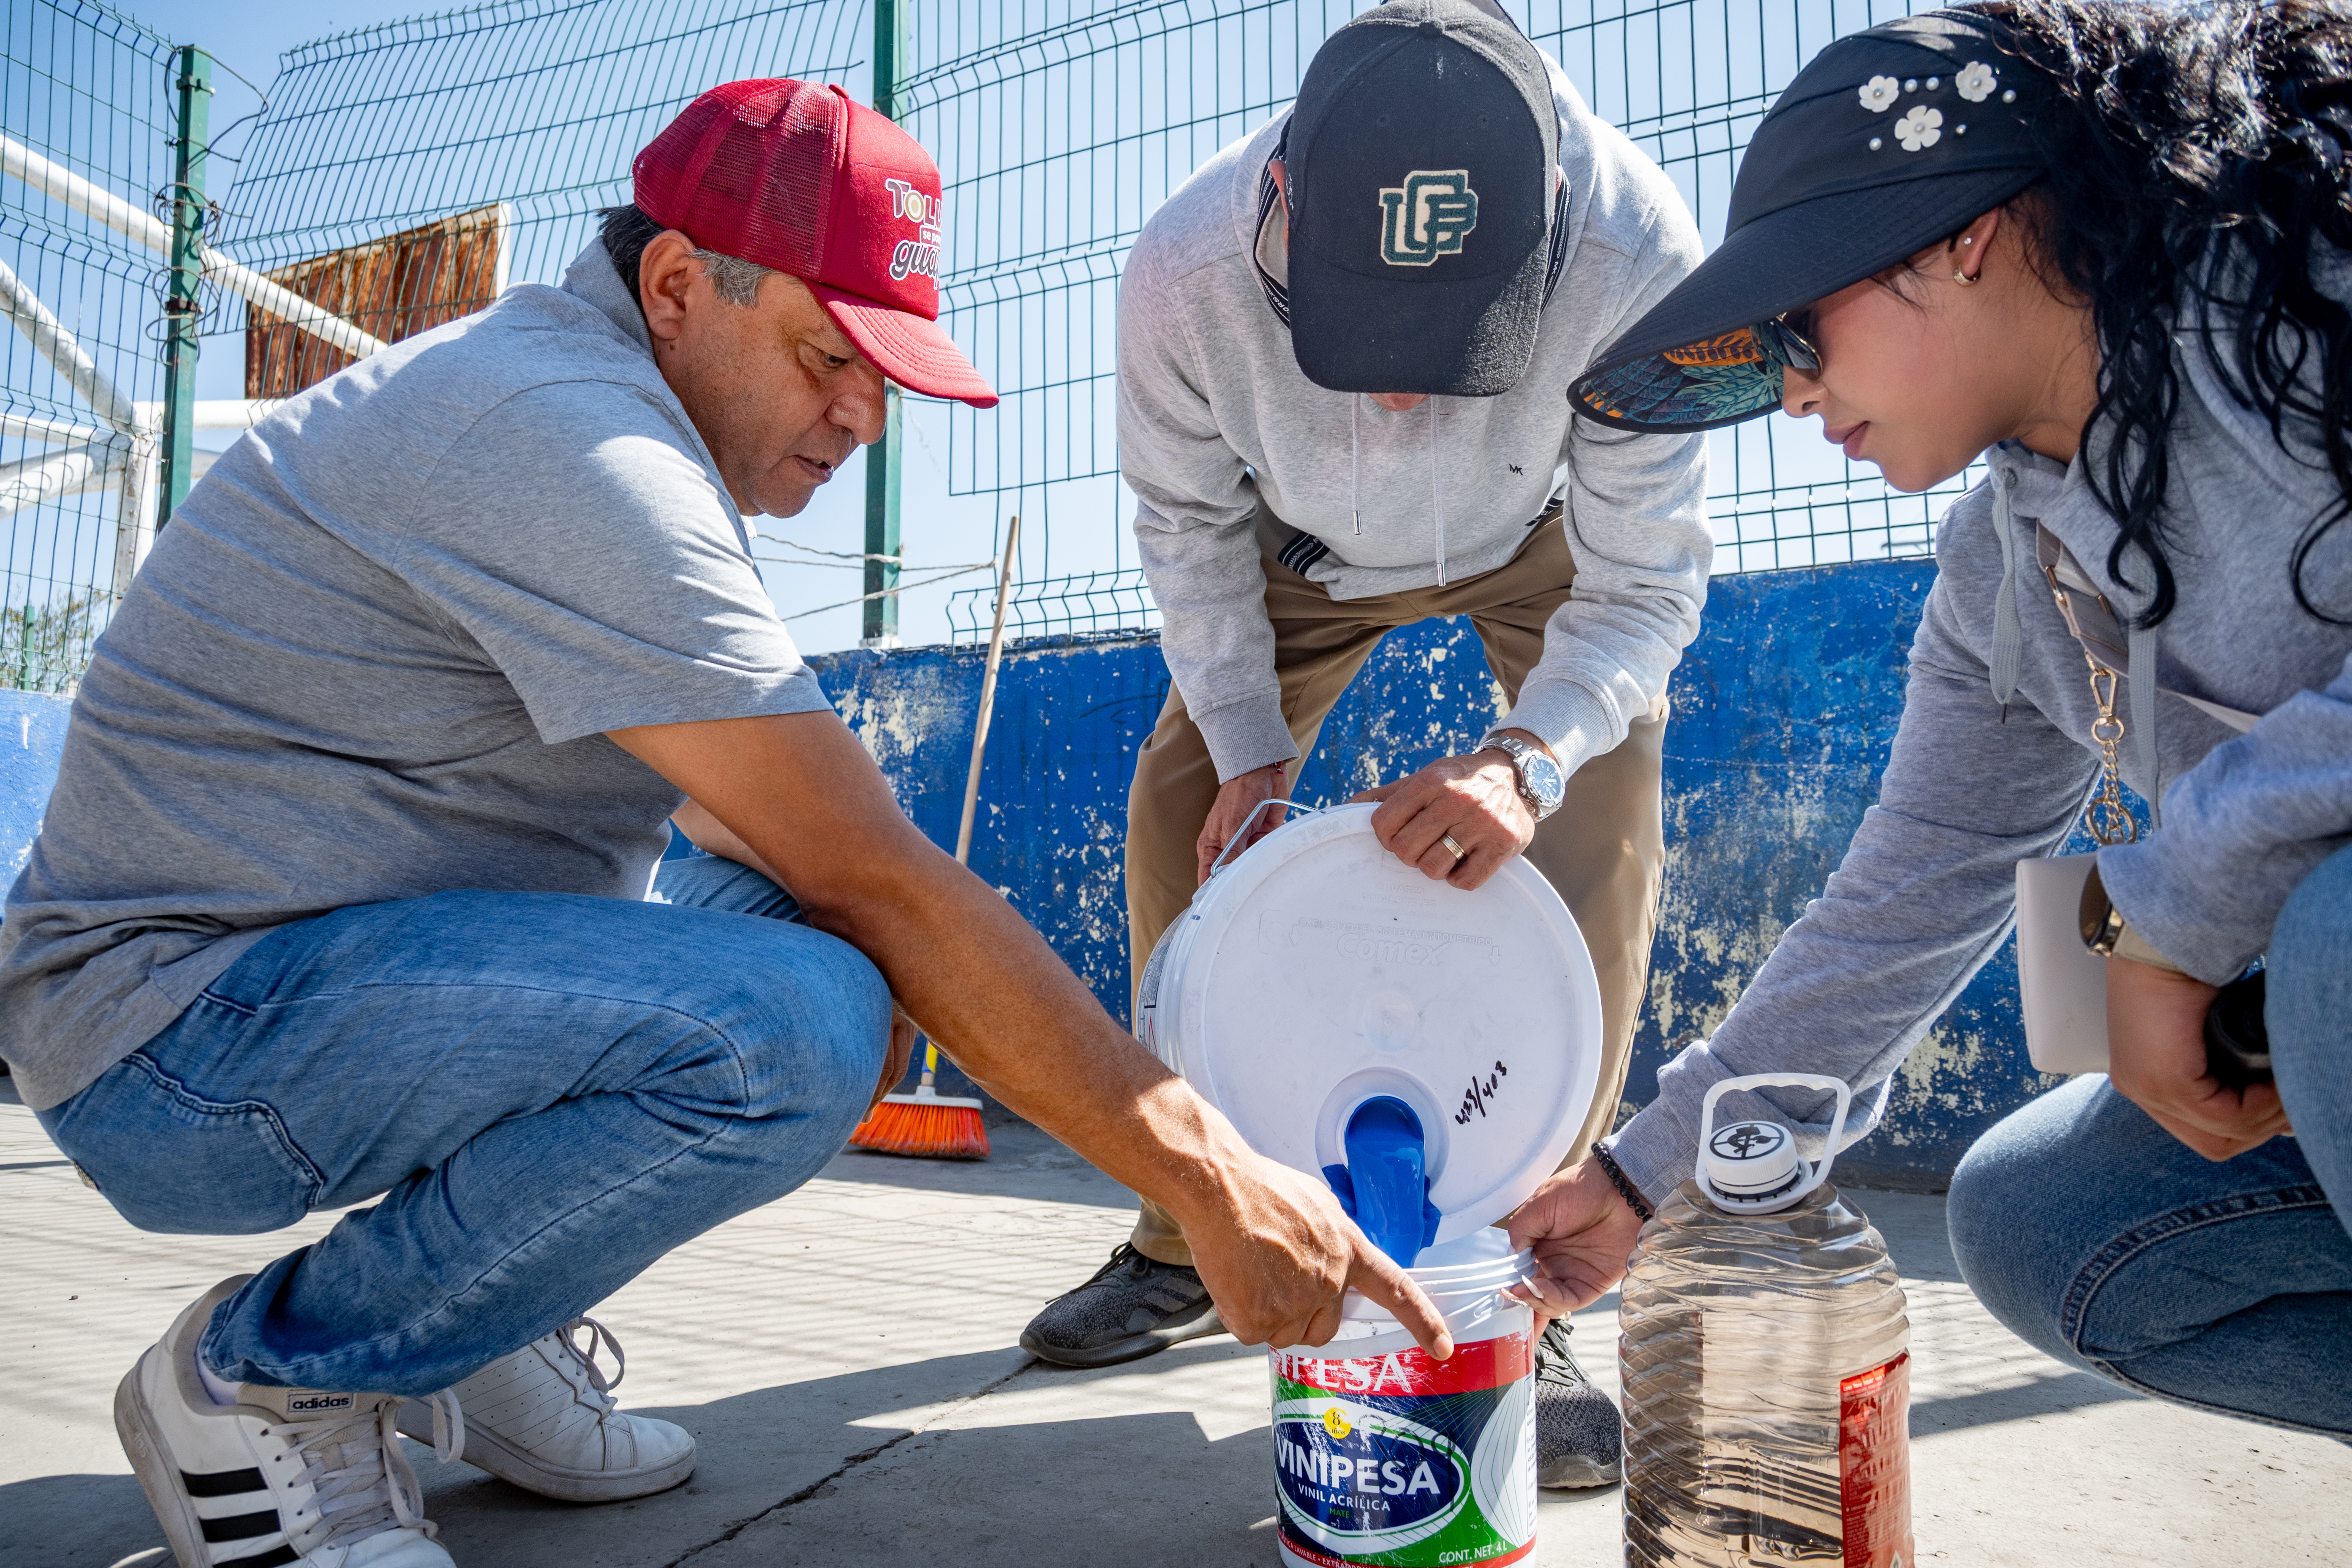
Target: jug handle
point(1226, 853)
point(1823, 1081)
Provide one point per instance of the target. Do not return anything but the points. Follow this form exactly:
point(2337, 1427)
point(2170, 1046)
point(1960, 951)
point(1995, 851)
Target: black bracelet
point(1625, 1188)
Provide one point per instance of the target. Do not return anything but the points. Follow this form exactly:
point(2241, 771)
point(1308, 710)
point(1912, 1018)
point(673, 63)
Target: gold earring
point(1962, 279)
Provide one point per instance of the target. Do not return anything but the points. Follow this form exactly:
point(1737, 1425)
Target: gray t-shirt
point(374, 657)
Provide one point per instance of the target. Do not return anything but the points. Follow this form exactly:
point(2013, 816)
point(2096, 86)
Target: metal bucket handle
point(1226, 853)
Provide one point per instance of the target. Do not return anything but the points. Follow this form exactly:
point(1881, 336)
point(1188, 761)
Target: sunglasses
point(1796, 348)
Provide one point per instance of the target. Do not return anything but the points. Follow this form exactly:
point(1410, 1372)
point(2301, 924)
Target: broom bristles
point(926, 1126)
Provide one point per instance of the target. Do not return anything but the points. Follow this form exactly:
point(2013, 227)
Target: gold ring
point(1459, 853)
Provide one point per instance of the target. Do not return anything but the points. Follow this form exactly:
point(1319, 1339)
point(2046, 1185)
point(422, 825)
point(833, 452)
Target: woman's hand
point(1582, 1232)
point(2156, 1059)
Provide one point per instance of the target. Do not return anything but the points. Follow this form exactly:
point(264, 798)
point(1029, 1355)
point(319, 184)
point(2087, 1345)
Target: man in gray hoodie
point(1344, 347)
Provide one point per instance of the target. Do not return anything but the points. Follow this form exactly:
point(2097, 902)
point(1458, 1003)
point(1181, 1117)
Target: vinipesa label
point(1405, 1462)
point(1875, 1465)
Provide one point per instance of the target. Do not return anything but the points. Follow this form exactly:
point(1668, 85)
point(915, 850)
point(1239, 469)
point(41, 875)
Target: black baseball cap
point(1420, 171)
point(1889, 140)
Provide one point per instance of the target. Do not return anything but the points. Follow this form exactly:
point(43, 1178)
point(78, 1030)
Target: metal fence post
point(893, 47)
point(182, 305)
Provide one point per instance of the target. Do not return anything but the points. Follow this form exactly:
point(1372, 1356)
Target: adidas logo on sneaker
point(307, 1404)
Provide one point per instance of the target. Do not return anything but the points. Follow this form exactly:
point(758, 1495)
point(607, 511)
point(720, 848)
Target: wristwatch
point(2101, 923)
point(2108, 934)
point(1541, 783)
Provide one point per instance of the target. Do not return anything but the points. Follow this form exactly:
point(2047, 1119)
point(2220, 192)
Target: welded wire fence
point(87, 88)
point(1060, 129)
point(403, 173)
point(375, 138)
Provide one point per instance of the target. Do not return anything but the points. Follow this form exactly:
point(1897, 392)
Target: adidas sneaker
point(544, 1419)
point(285, 1475)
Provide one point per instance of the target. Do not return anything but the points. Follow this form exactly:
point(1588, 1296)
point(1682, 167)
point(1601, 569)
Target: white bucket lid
point(1317, 972)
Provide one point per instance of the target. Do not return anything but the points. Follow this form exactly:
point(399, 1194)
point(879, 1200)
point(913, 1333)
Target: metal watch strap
point(1513, 748)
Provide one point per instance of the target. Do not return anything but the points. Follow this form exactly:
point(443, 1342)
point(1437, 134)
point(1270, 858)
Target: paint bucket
point(1384, 1455)
point(1316, 972)
point(1315, 979)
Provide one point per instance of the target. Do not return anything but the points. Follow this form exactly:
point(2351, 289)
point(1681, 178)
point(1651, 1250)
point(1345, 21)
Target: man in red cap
point(352, 889)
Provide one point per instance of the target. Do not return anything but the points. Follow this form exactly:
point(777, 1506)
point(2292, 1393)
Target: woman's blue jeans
point(2100, 1238)
point(545, 1092)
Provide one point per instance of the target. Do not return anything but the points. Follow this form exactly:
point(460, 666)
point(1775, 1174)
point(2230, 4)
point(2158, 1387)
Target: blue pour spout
point(1384, 1186)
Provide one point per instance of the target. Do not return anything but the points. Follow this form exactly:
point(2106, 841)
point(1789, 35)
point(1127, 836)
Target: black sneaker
point(1132, 1308)
point(1578, 1440)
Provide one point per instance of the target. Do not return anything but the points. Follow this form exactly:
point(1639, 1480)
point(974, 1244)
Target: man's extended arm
point(1271, 1244)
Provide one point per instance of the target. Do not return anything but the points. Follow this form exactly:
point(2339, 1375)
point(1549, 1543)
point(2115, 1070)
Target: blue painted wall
point(32, 733)
point(1784, 710)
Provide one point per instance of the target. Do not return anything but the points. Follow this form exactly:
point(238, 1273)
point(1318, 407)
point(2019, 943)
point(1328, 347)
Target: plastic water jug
point(1764, 1351)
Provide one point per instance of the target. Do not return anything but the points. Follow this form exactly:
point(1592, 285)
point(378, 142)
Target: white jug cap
point(1752, 1160)
point(1752, 1167)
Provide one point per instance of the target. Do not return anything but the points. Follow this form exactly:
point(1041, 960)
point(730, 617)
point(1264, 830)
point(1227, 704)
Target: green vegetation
point(44, 647)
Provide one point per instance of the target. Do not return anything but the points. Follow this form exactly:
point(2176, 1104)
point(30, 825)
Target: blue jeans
point(2101, 1239)
point(547, 1092)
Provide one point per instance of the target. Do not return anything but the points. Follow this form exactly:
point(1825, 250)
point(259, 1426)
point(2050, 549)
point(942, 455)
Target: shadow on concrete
point(76, 1521)
point(1024, 1161)
point(1991, 1406)
point(758, 1450)
point(1143, 1491)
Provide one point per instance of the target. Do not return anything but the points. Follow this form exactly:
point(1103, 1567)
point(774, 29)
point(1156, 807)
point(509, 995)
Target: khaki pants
point(1603, 850)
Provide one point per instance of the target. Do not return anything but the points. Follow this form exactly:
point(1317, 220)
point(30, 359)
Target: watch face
point(1543, 779)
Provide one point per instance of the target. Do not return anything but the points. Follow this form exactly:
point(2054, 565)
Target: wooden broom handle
point(987, 692)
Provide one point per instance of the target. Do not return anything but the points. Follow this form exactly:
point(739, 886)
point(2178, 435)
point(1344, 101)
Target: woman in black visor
point(2101, 246)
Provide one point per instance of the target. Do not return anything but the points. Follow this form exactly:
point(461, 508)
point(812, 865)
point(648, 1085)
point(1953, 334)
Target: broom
point(928, 1124)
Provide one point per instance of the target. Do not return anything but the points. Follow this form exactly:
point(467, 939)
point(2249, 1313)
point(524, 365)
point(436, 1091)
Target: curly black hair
point(2201, 182)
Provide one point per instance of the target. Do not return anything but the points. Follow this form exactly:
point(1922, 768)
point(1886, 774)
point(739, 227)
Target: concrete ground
point(846, 1358)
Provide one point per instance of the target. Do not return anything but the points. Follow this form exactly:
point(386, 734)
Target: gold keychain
point(2109, 820)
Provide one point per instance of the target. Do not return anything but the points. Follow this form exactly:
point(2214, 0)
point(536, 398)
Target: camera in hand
point(2237, 1045)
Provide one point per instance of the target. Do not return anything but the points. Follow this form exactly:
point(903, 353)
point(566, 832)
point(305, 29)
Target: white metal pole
point(134, 510)
point(63, 184)
point(55, 343)
point(53, 476)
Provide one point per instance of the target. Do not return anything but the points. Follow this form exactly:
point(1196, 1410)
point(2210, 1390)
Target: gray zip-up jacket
point(1928, 889)
point(1213, 414)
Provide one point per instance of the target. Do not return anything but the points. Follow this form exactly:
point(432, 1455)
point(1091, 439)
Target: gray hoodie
point(1928, 889)
point(1213, 414)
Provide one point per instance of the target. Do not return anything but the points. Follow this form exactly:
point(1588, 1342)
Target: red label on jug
point(1875, 1465)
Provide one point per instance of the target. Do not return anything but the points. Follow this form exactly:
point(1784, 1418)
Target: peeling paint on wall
point(1784, 708)
point(1783, 711)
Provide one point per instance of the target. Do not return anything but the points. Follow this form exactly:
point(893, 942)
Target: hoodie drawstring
point(2139, 648)
point(1355, 460)
point(2008, 631)
point(1437, 492)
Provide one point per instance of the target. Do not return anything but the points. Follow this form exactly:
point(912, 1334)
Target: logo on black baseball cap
point(1889, 140)
point(1421, 165)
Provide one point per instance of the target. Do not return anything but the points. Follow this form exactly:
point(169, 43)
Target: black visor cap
point(1889, 140)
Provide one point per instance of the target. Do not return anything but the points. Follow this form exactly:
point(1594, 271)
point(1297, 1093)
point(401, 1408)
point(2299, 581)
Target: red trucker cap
point(797, 177)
